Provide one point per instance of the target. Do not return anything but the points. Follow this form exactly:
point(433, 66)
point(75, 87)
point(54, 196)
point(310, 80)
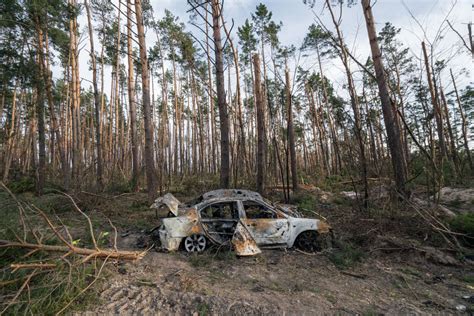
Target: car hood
point(169, 201)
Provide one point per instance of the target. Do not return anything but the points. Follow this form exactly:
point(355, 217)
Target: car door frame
point(267, 231)
point(203, 221)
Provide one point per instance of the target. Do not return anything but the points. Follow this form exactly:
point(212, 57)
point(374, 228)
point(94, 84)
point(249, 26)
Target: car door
point(266, 225)
point(219, 220)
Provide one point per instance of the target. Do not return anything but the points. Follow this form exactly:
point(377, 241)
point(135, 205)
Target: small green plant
point(464, 224)
point(469, 278)
point(203, 309)
point(345, 255)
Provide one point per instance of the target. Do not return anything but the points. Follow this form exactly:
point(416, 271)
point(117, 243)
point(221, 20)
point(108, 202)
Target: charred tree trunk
point(221, 99)
point(291, 132)
point(260, 125)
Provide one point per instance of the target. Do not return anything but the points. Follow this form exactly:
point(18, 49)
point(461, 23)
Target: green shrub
point(464, 224)
point(25, 184)
point(53, 203)
point(305, 202)
point(118, 187)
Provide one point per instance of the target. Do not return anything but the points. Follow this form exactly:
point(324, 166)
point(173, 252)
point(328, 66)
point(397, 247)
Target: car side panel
point(299, 225)
point(268, 231)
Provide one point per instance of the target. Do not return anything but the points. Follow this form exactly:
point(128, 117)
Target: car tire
point(308, 241)
point(195, 243)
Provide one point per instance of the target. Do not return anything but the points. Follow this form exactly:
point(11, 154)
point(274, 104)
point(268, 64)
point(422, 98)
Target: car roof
point(231, 194)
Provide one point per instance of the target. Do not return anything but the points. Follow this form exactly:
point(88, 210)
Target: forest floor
point(384, 262)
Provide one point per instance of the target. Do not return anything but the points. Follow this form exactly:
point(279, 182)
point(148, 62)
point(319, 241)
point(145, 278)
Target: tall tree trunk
point(131, 101)
point(291, 131)
point(212, 123)
point(147, 115)
point(11, 136)
point(75, 97)
point(354, 104)
point(40, 109)
point(96, 102)
point(259, 104)
point(389, 114)
point(463, 124)
point(221, 99)
point(452, 142)
point(243, 146)
point(434, 102)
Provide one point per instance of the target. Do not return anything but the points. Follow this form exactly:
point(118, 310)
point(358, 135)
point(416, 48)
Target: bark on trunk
point(434, 101)
point(260, 125)
point(147, 114)
point(389, 114)
point(96, 102)
point(221, 100)
point(131, 101)
point(291, 132)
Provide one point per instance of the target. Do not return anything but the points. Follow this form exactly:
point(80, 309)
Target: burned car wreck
point(240, 218)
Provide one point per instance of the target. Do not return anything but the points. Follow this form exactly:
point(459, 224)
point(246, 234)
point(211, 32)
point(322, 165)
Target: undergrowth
point(345, 255)
point(34, 290)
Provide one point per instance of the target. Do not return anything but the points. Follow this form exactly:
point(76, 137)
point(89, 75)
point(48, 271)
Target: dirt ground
point(282, 282)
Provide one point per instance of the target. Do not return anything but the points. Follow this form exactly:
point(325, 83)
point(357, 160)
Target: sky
point(296, 18)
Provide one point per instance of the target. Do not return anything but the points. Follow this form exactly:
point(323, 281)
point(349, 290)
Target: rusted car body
point(241, 218)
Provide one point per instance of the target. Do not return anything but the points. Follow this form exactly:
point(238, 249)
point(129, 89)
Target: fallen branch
point(89, 253)
point(17, 266)
point(355, 275)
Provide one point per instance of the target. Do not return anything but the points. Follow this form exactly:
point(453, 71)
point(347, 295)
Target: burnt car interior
point(220, 220)
point(255, 210)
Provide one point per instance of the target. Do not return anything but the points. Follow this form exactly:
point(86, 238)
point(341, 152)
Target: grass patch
point(468, 278)
point(200, 260)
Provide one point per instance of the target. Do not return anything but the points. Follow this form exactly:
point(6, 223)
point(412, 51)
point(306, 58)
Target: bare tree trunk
point(147, 115)
point(75, 97)
point(452, 143)
point(212, 123)
point(96, 102)
point(463, 123)
point(131, 101)
point(235, 55)
point(354, 104)
point(221, 99)
point(434, 101)
point(389, 114)
point(260, 125)
point(40, 109)
point(291, 132)
point(10, 136)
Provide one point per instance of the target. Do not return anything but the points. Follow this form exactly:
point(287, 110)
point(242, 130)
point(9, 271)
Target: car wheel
point(195, 243)
point(308, 241)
